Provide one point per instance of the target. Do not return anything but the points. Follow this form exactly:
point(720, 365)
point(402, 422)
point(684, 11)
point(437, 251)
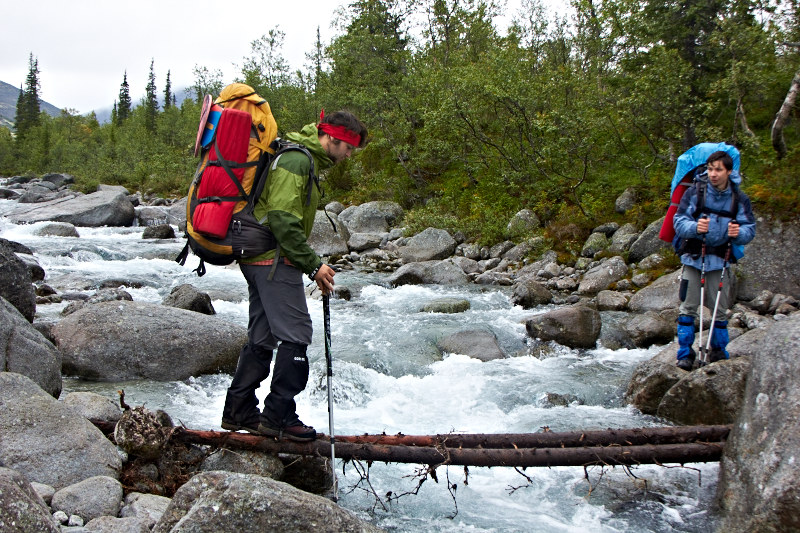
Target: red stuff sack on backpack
point(220, 189)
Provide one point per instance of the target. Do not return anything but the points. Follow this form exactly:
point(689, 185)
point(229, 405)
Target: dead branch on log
point(528, 481)
point(363, 474)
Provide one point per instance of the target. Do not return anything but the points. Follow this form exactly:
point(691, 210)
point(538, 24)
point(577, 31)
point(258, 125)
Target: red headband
point(339, 132)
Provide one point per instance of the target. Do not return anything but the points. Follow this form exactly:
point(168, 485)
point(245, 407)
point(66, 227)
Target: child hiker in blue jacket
point(714, 221)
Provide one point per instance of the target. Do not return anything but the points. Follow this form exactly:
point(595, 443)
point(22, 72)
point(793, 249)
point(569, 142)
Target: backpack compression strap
point(227, 166)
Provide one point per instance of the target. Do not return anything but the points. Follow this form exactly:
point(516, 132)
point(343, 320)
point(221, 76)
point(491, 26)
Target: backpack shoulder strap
point(734, 201)
point(285, 146)
point(723, 212)
point(701, 199)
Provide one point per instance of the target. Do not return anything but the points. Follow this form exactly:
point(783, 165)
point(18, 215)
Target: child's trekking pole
point(703, 356)
point(326, 311)
point(719, 290)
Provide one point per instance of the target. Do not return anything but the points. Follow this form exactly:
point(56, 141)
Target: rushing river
point(389, 377)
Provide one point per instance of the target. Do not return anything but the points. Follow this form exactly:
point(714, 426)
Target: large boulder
point(324, 240)
point(623, 238)
point(576, 326)
point(652, 379)
point(428, 245)
point(226, 501)
point(22, 510)
point(371, 217)
point(186, 296)
point(90, 498)
point(24, 350)
point(625, 201)
point(428, 272)
point(759, 488)
point(660, 295)
point(15, 281)
point(602, 276)
point(358, 242)
point(38, 192)
point(595, 243)
point(530, 293)
point(648, 242)
point(710, 395)
point(58, 179)
point(93, 406)
point(147, 507)
point(608, 300)
point(770, 261)
point(750, 343)
point(121, 340)
point(9, 194)
point(158, 231)
point(649, 328)
point(48, 441)
point(478, 343)
point(522, 250)
point(102, 208)
point(57, 229)
point(522, 223)
point(154, 215)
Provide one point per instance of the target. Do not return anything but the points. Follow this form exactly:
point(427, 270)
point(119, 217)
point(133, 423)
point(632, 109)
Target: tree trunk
point(539, 449)
point(743, 119)
point(549, 439)
point(778, 142)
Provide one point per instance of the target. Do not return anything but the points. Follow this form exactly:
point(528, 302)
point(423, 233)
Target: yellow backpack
point(237, 140)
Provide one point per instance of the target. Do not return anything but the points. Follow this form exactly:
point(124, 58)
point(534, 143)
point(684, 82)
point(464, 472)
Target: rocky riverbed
point(609, 295)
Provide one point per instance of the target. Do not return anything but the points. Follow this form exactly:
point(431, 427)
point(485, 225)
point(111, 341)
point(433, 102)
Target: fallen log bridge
point(682, 444)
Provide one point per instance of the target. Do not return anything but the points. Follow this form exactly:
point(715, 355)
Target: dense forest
point(469, 124)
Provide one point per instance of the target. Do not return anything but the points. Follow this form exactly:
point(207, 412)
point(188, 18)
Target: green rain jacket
point(282, 205)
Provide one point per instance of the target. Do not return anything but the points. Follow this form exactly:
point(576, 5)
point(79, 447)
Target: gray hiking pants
point(278, 310)
point(691, 304)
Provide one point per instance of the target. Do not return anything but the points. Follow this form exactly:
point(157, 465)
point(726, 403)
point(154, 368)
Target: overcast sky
point(84, 47)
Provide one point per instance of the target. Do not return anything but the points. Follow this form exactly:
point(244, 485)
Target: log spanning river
point(390, 378)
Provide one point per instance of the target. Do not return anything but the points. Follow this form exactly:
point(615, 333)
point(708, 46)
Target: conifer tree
point(316, 59)
point(28, 107)
point(20, 110)
point(168, 97)
point(150, 101)
point(124, 108)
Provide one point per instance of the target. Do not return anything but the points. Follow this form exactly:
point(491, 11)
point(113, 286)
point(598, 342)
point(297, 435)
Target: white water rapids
point(389, 377)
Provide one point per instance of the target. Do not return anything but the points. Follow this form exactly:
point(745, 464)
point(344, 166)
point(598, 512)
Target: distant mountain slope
point(9, 95)
point(8, 105)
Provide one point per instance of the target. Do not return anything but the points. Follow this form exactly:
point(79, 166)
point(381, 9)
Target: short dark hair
point(722, 156)
point(349, 121)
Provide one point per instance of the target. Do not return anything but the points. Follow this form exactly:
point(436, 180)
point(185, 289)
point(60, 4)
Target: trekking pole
point(719, 290)
point(326, 311)
point(700, 347)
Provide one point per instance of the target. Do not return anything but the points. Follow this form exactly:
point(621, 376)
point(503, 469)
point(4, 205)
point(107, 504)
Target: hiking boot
point(685, 364)
point(250, 427)
point(297, 432)
point(716, 355)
